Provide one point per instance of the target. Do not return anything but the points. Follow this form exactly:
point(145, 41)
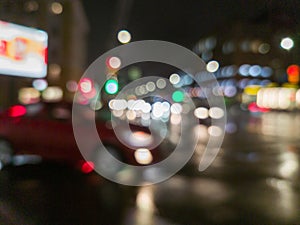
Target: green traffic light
point(111, 86)
point(178, 96)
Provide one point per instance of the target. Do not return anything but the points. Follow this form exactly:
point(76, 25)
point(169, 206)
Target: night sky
point(181, 22)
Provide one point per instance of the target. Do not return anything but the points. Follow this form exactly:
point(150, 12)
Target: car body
point(45, 130)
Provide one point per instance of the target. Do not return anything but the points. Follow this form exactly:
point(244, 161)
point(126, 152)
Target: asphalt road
point(253, 180)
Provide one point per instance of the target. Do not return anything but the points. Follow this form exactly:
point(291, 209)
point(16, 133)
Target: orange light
point(293, 73)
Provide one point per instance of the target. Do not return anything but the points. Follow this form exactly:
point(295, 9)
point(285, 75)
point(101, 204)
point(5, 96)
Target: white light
point(174, 78)
point(146, 116)
point(118, 113)
point(114, 62)
point(40, 84)
point(124, 36)
point(157, 110)
point(145, 204)
point(130, 104)
point(289, 165)
point(215, 131)
point(165, 106)
point(287, 43)
point(131, 115)
point(176, 108)
point(212, 66)
point(138, 105)
point(146, 108)
point(52, 94)
point(298, 98)
point(96, 105)
point(175, 119)
point(216, 112)
point(201, 112)
point(111, 103)
point(161, 83)
point(150, 86)
point(143, 156)
point(119, 104)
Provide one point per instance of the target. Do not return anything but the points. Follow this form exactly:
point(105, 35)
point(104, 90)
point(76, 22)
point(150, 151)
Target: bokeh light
point(178, 96)
point(143, 156)
point(29, 95)
point(111, 86)
point(56, 8)
point(176, 108)
point(114, 62)
point(52, 93)
point(124, 36)
point(212, 66)
point(72, 85)
point(40, 84)
point(201, 113)
point(17, 110)
point(287, 43)
point(174, 78)
point(161, 83)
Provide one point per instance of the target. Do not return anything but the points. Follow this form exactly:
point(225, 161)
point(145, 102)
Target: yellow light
point(52, 94)
point(143, 156)
point(29, 95)
point(56, 8)
point(252, 89)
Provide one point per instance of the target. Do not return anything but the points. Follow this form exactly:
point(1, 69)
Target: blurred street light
point(287, 43)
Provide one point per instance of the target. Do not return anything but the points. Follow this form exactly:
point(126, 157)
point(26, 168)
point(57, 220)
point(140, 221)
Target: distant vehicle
point(45, 130)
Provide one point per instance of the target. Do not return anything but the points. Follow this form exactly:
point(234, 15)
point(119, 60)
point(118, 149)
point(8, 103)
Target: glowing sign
point(23, 51)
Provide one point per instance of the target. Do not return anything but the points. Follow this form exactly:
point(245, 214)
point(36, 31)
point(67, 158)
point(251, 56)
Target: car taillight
point(87, 167)
point(17, 110)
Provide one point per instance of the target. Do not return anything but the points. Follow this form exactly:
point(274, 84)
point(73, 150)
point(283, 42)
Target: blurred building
point(67, 27)
point(263, 51)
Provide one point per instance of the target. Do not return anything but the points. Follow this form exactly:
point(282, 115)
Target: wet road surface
point(253, 180)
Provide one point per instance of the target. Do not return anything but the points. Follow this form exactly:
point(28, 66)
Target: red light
point(253, 107)
point(3, 47)
point(293, 73)
point(113, 62)
point(17, 110)
point(293, 70)
point(85, 85)
point(87, 167)
point(45, 55)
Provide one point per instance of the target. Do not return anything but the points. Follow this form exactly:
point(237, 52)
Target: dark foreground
point(254, 180)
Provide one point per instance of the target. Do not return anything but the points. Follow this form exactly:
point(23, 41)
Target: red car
point(45, 130)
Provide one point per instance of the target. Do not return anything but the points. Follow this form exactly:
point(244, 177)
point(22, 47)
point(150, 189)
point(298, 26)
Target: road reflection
point(253, 180)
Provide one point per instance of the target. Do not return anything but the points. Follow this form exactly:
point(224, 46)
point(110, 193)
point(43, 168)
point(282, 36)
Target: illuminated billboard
point(23, 51)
